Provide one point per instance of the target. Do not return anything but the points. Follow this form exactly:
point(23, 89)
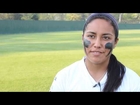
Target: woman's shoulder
point(71, 68)
point(131, 76)
point(131, 81)
point(131, 73)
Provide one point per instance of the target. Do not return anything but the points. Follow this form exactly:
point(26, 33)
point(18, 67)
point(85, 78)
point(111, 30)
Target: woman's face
point(99, 32)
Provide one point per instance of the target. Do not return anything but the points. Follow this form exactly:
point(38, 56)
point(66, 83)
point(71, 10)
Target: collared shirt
point(76, 78)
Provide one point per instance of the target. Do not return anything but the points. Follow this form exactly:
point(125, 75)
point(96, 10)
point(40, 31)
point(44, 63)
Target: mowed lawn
point(29, 62)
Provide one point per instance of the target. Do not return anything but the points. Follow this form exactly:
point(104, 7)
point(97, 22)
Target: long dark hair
point(116, 69)
point(115, 73)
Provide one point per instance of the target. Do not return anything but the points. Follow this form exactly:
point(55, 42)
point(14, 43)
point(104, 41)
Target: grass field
point(29, 62)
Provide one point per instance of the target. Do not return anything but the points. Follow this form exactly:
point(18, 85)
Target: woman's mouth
point(96, 53)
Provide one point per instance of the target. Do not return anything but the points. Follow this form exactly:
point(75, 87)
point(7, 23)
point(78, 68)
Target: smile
point(96, 53)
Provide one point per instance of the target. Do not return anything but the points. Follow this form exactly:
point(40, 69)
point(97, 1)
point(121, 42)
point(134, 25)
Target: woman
point(99, 70)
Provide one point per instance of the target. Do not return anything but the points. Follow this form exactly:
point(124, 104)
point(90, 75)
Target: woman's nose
point(97, 43)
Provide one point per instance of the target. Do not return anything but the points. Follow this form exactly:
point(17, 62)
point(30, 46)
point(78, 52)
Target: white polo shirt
point(76, 78)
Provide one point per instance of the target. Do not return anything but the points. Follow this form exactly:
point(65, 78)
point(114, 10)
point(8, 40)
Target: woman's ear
point(82, 39)
point(116, 42)
point(82, 36)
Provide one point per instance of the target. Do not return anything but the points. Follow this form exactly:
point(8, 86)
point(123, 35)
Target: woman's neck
point(97, 71)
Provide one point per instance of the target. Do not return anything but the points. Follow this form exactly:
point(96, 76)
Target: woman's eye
point(91, 36)
point(105, 37)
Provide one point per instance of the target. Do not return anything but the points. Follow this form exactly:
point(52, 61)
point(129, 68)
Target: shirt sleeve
point(59, 82)
point(136, 87)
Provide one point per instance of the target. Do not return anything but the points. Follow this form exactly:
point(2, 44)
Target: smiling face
point(98, 32)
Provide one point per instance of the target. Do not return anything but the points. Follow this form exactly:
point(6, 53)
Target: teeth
point(97, 52)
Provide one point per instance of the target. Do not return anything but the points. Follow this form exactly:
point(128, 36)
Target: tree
point(35, 17)
point(3, 16)
point(72, 16)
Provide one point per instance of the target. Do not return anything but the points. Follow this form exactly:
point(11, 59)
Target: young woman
point(99, 70)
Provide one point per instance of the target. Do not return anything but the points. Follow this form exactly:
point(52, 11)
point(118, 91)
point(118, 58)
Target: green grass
point(29, 62)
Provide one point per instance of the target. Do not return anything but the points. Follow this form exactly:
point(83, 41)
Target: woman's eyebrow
point(107, 34)
point(95, 33)
point(91, 32)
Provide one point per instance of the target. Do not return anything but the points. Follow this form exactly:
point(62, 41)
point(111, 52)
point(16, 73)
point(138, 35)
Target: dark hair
point(116, 69)
point(105, 16)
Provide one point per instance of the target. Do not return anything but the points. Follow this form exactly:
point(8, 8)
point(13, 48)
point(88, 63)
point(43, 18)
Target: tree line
point(121, 17)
